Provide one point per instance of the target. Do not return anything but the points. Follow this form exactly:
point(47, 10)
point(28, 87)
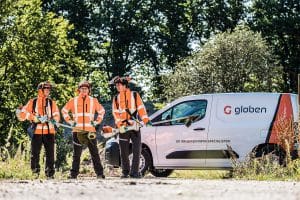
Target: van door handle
point(199, 129)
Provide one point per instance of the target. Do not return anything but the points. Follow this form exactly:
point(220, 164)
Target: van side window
point(184, 109)
point(162, 117)
point(189, 108)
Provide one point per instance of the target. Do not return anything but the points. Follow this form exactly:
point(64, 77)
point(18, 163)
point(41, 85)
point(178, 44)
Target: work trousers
point(36, 144)
point(124, 141)
point(77, 150)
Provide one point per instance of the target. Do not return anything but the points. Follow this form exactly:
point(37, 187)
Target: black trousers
point(36, 144)
point(124, 139)
point(77, 150)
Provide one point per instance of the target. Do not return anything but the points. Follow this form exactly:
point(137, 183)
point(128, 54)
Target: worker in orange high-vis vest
point(40, 111)
point(127, 107)
point(83, 108)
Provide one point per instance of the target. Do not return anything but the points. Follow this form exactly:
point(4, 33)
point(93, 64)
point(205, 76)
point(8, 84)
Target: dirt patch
point(148, 188)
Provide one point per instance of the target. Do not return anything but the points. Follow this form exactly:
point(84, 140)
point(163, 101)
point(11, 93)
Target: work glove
point(123, 129)
point(43, 119)
point(52, 121)
point(149, 124)
point(72, 123)
point(94, 123)
point(18, 112)
point(36, 119)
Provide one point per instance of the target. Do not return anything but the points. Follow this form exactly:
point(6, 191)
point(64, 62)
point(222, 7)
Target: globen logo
point(228, 110)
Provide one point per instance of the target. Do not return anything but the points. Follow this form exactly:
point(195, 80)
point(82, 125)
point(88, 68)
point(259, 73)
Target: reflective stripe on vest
point(91, 108)
point(133, 104)
point(75, 108)
point(90, 114)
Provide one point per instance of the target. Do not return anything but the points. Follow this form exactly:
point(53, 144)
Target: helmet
point(84, 84)
point(123, 80)
point(44, 85)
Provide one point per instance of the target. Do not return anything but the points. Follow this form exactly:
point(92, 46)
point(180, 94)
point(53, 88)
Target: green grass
point(200, 174)
point(265, 169)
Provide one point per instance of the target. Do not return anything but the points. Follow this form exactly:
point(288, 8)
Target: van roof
point(235, 94)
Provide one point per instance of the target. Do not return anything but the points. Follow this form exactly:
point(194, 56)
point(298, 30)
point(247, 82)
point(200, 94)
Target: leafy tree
point(279, 23)
point(34, 47)
point(117, 36)
point(239, 61)
point(78, 12)
point(209, 17)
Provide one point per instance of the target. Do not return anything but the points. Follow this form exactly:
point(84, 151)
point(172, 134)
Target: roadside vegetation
point(274, 165)
point(16, 165)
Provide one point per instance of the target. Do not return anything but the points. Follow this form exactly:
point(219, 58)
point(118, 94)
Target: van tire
point(277, 153)
point(161, 172)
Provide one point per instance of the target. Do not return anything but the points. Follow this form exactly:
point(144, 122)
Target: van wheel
point(145, 161)
point(161, 172)
point(275, 153)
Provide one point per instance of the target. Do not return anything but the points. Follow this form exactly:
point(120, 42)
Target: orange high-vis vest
point(126, 100)
point(43, 107)
point(83, 111)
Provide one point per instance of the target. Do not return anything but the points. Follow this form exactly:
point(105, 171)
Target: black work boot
point(36, 172)
point(50, 173)
point(101, 176)
point(124, 176)
point(72, 176)
point(136, 175)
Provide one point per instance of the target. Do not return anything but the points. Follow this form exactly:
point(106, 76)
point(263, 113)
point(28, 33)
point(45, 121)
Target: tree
point(279, 23)
point(34, 47)
point(117, 36)
point(209, 17)
point(239, 61)
point(79, 13)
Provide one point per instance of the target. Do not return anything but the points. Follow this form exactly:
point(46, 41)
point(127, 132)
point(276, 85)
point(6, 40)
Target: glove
point(52, 121)
point(94, 123)
point(43, 119)
point(149, 124)
point(72, 123)
point(18, 111)
point(36, 119)
point(123, 129)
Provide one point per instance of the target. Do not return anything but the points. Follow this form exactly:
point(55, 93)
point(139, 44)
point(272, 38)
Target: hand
point(149, 124)
point(43, 119)
point(18, 112)
point(52, 121)
point(72, 123)
point(123, 129)
point(36, 119)
point(94, 123)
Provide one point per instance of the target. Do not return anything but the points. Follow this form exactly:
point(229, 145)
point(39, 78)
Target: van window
point(188, 108)
point(184, 109)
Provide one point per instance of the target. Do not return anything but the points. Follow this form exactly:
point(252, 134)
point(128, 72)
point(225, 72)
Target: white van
point(228, 124)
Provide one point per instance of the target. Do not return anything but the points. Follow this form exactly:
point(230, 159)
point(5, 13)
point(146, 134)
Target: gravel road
point(148, 188)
